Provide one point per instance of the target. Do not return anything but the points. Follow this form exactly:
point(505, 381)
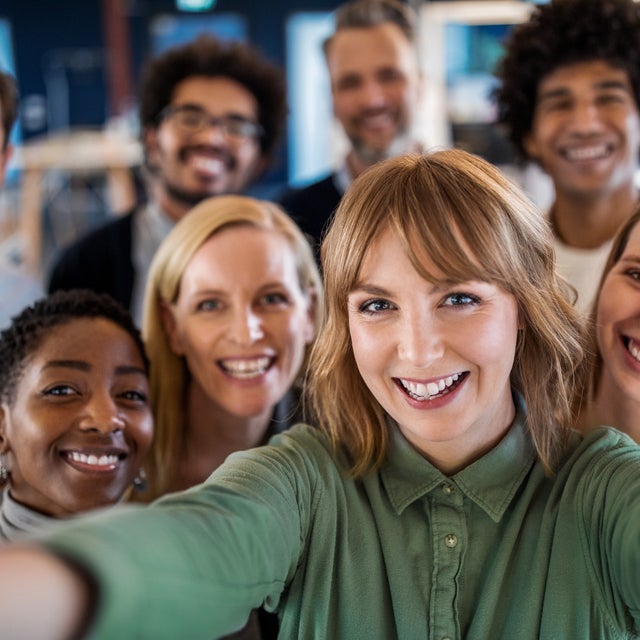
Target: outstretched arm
point(41, 596)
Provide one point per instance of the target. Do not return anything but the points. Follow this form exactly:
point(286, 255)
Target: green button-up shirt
point(497, 551)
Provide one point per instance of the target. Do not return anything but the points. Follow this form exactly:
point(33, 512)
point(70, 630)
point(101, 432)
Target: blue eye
point(375, 306)
point(460, 300)
point(274, 299)
point(209, 305)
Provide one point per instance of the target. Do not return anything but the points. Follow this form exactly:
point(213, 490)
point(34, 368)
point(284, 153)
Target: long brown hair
point(473, 224)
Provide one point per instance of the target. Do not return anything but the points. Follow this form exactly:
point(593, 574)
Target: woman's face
point(618, 323)
point(80, 425)
point(436, 357)
point(241, 320)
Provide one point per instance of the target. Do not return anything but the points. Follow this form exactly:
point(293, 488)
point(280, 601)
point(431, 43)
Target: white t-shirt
point(583, 269)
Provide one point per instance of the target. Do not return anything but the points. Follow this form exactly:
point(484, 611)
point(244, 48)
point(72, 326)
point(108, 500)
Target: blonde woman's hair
point(169, 374)
point(473, 224)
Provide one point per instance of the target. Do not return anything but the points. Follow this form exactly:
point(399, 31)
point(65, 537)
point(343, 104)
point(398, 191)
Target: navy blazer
point(100, 261)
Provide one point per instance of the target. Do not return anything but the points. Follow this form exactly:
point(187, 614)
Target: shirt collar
point(490, 482)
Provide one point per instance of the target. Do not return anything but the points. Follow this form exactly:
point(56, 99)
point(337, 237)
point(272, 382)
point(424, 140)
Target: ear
point(151, 147)
point(5, 156)
point(312, 304)
point(260, 166)
point(170, 326)
point(5, 447)
point(420, 87)
point(530, 146)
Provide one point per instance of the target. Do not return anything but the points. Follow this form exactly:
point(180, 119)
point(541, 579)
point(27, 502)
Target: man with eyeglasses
point(211, 114)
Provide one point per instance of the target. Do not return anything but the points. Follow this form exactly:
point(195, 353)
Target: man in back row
point(570, 99)
point(211, 114)
point(375, 81)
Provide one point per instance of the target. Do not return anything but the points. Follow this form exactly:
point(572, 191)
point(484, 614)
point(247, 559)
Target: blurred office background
point(77, 64)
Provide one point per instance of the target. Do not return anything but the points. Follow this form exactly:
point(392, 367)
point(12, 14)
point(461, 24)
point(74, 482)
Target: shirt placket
point(449, 540)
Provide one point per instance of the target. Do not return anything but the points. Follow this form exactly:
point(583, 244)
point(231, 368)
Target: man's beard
point(369, 156)
point(188, 198)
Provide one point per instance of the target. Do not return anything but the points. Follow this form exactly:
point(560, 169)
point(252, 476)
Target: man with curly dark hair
point(211, 113)
point(569, 98)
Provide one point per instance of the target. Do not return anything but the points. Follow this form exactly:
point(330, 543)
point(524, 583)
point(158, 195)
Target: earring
point(139, 482)
point(4, 472)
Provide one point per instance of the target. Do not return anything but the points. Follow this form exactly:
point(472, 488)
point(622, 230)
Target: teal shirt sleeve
point(192, 565)
point(608, 499)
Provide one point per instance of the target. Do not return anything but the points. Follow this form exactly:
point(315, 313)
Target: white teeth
point(102, 461)
point(377, 120)
point(432, 389)
point(210, 165)
point(246, 368)
point(587, 153)
point(634, 349)
point(421, 391)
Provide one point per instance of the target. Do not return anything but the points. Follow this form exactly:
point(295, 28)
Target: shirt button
point(447, 490)
point(451, 540)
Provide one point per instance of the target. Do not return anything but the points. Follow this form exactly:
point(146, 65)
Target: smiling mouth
point(246, 368)
point(97, 462)
point(431, 390)
point(586, 154)
point(633, 348)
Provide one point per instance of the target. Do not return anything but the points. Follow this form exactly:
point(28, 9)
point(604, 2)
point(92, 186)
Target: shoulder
point(603, 468)
point(323, 187)
point(116, 232)
point(300, 455)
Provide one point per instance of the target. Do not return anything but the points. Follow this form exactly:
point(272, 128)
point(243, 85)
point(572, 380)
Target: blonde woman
point(446, 495)
point(231, 308)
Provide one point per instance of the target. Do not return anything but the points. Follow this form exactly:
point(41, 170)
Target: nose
point(585, 116)
point(420, 340)
point(102, 414)
point(214, 132)
point(372, 94)
point(246, 327)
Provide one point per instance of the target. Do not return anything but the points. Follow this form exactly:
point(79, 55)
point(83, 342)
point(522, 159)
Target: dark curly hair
point(29, 328)
point(207, 56)
point(560, 33)
point(8, 104)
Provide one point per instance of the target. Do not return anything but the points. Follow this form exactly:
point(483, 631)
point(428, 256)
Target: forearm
point(41, 596)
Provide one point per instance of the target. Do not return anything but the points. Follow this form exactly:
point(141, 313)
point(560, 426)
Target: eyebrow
point(81, 365)
point(374, 290)
point(226, 114)
point(563, 91)
point(629, 258)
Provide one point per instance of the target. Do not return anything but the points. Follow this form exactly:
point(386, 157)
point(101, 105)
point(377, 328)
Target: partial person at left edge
point(211, 114)
point(17, 288)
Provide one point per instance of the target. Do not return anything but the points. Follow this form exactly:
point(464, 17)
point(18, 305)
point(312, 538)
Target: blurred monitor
point(461, 42)
point(314, 138)
point(170, 30)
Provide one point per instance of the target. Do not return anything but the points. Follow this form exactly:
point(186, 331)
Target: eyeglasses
point(192, 119)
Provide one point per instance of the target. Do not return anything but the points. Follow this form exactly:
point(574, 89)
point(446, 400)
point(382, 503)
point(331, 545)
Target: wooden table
point(79, 152)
